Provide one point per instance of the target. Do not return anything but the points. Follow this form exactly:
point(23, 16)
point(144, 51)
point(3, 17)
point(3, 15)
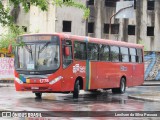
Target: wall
point(36, 20)
point(6, 68)
point(152, 65)
point(78, 24)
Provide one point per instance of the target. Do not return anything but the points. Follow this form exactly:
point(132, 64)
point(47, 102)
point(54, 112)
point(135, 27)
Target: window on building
point(91, 2)
point(106, 28)
point(24, 28)
point(131, 29)
point(66, 0)
point(91, 27)
point(80, 51)
point(150, 4)
point(150, 31)
point(111, 3)
point(66, 26)
point(114, 28)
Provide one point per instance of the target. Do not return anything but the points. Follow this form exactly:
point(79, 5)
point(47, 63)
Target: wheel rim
point(122, 86)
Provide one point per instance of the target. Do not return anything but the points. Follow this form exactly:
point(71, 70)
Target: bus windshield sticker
point(30, 66)
point(78, 68)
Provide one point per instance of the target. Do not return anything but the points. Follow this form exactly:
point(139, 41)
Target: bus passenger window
point(104, 53)
point(125, 54)
point(115, 54)
point(133, 54)
point(80, 50)
point(67, 60)
point(92, 51)
point(139, 55)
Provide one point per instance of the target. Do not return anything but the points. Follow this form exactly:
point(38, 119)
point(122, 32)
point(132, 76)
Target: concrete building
point(144, 27)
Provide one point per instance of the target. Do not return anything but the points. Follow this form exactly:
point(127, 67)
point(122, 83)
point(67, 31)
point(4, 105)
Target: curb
point(151, 83)
point(144, 99)
point(6, 83)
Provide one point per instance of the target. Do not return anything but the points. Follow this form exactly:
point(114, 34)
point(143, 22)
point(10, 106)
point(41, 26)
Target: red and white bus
point(48, 63)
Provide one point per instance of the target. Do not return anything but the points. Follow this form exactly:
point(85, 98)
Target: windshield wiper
point(29, 50)
point(43, 47)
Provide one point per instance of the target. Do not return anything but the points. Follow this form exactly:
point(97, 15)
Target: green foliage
point(73, 3)
point(7, 20)
point(42, 4)
point(10, 37)
point(142, 43)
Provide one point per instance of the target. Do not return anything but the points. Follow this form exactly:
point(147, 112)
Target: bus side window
point(104, 53)
point(133, 54)
point(67, 60)
point(139, 55)
point(125, 54)
point(92, 51)
point(115, 55)
point(80, 50)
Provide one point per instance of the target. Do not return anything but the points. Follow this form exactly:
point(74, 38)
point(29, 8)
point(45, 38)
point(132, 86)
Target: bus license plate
point(34, 88)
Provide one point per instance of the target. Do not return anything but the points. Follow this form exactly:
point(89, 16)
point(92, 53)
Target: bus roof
point(90, 39)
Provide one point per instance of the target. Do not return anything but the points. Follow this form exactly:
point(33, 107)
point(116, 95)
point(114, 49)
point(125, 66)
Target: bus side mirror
point(10, 48)
point(67, 51)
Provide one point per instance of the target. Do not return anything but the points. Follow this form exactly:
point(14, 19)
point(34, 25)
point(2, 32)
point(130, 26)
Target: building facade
point(144, 28)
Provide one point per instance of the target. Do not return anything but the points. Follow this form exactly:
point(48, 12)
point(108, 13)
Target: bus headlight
point(18, 80)
point(55, 80)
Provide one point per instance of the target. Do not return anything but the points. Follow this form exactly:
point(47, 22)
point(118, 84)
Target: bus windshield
point(38, 56)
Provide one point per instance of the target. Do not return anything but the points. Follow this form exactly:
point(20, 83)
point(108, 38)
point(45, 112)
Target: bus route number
point(44, 80)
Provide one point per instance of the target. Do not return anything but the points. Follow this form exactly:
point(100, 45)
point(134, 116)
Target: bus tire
point(76, 89)
point(38, 95)
point(122, 87)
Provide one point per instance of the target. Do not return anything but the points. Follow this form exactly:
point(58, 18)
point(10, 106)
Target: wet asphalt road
point(97, 101)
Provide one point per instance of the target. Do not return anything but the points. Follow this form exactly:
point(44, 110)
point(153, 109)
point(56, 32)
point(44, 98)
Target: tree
point(7, 20)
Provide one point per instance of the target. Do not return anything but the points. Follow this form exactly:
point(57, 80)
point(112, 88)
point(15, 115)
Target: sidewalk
point(6, 83)
point(151, 83)
point(149, 96)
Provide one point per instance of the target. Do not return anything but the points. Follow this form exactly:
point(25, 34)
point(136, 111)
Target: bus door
point(67, 60)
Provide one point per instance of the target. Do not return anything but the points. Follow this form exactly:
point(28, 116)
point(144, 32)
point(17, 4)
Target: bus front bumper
point(46, 87)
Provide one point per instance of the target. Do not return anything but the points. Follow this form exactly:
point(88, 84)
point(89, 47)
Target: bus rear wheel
point(122, 87)
point(76, 89)
point(38, 95)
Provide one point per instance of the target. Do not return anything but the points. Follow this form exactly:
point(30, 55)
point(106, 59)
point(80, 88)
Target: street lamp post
point(110, 25)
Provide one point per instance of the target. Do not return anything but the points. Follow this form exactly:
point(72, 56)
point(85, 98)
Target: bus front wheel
point(38, 95)
point(76, 89)
point(122, 87)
